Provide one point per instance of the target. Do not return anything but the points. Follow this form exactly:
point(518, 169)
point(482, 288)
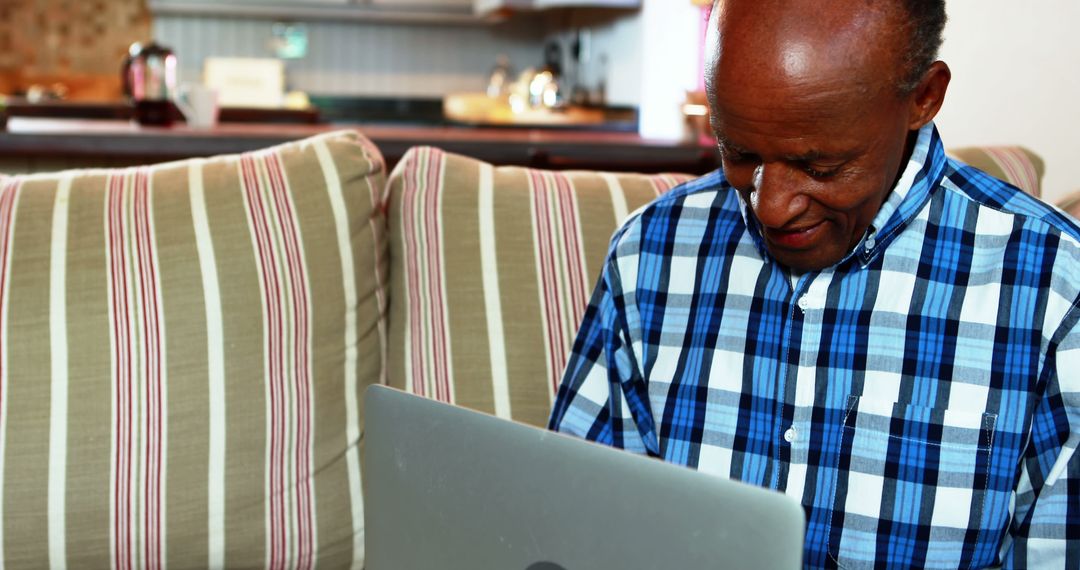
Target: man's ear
point(928, 96)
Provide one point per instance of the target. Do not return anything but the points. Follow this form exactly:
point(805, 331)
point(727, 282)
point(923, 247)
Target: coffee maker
point(149, 78)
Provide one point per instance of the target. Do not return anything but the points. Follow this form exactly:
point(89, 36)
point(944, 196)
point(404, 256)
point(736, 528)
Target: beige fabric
point(491, 271)
point(183, 351)
point(1013, 164)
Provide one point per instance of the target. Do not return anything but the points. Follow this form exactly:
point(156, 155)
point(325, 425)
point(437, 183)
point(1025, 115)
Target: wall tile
point(362, 58)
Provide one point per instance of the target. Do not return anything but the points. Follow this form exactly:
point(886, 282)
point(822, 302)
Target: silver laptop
point(449, 488)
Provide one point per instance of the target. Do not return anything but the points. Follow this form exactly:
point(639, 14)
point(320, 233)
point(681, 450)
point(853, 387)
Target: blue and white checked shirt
point(921, 398)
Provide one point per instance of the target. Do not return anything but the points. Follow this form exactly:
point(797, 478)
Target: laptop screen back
point(451, 488)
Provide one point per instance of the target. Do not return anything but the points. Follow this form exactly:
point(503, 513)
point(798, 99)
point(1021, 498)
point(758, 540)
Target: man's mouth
point(796, 238)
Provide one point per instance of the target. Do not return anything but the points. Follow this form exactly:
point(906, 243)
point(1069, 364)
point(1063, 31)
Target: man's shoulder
point(1012, 224)
point(707, 195)
point(1017, 206)
point(677, 218)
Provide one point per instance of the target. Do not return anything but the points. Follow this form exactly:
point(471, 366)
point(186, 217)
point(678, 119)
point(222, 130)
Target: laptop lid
point(451, 488)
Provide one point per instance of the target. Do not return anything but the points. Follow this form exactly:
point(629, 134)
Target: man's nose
point(777, 198)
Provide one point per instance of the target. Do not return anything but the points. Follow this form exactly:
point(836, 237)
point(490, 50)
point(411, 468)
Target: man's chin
point(804, 261)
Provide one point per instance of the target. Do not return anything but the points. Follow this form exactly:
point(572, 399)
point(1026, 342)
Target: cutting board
point(478, 108)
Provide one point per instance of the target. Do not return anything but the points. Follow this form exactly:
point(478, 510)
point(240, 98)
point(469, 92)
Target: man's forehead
point(796, 39)
point(835, 13)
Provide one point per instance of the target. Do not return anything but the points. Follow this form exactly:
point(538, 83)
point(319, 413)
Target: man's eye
point(819, 173)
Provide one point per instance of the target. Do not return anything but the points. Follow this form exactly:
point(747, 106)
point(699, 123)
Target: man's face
point(814, 164)
point(811, 128)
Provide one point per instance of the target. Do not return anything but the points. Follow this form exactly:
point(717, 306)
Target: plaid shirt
point(909, 396)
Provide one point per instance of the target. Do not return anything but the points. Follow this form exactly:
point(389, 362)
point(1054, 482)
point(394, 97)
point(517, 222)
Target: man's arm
point(602, 396)
point(1045, 532)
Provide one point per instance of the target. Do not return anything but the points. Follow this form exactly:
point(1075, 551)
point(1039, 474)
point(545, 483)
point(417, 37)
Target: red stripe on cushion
point(274, 333)
point(549, 279)
point(152, 369)
point(439, 335)
point(301, 379)
point(575, 261)
point(1017, 167)
point(123, 462)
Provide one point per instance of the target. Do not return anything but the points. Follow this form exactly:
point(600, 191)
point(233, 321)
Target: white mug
point(199, 104)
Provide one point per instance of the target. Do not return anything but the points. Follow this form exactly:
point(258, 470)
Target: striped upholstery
point(167, 334)
point(1013, 164)
point(491, 270)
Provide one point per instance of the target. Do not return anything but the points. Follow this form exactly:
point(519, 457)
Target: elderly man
point(843, 313)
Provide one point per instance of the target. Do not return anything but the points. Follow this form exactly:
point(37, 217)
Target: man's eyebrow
point(728, 145)
point(809, 156)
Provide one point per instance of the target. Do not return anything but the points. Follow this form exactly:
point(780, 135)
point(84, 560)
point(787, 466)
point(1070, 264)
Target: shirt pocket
point(910, 483)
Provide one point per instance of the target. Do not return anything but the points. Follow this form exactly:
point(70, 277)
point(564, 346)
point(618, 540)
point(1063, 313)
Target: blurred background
point(619, 65)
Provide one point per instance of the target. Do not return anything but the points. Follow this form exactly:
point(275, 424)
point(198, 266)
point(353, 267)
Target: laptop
point(450, 488)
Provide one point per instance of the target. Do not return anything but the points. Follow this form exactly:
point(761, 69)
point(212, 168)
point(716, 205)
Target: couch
point(184, 347)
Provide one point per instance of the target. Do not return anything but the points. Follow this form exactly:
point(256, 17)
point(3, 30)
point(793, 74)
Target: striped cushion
point(1013, 164)
point(182, 350)
point(491, 270)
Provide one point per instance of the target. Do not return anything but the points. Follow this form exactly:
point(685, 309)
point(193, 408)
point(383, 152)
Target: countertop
point(541, 148)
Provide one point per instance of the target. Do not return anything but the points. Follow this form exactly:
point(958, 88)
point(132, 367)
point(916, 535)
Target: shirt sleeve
point(603, 396)
point(1045, 531)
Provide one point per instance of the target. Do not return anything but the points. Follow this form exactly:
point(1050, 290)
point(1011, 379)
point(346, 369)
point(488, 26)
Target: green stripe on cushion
point(491, 270)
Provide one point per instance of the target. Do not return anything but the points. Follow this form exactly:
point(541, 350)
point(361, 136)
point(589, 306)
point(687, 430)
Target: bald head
point(900, 38)
point(860, 43)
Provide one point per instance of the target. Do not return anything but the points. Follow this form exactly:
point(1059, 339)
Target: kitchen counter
point(126, 142)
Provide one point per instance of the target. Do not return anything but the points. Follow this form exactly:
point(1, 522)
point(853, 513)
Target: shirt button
point(790, 434)
point(804, 303)
point(870, 243)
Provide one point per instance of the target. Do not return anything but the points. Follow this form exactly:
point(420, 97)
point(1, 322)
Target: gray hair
point(927, 21)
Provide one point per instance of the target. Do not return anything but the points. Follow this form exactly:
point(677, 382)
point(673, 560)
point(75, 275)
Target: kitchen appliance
point(246, 81)
point(500, 78)
point(149, 78)
point(545, 90)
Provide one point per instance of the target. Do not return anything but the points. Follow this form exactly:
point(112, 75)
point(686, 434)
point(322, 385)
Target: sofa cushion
point(491, 270)
point(183, 348)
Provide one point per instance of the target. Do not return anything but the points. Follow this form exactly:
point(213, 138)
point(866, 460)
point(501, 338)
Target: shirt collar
point(922, 174)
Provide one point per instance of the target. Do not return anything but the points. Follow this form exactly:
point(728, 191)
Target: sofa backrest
point(491, 270)
point(1016, 165)
point(182, 349)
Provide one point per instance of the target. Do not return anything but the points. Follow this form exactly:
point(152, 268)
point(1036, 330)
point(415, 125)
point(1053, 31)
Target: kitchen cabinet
point(388, 10)
point(436, 4)
point(487, 6)
point(405, 10)
point(167, 5)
